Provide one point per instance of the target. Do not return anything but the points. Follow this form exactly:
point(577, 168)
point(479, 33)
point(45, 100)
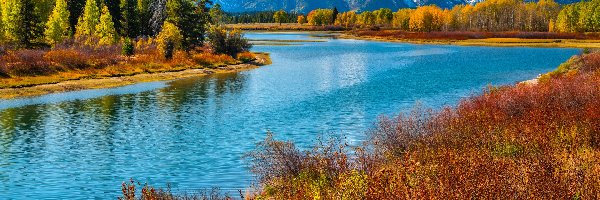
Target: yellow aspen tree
point(57, 27)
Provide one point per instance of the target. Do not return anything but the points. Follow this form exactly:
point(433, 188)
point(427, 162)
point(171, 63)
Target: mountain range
point(305, 6)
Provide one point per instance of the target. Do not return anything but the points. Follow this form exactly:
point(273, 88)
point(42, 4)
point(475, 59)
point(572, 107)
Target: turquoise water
point(192, 133)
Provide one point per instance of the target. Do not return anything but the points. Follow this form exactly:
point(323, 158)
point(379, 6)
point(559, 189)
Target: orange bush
point(246, 57)
point(67, 58)
point(210, 59)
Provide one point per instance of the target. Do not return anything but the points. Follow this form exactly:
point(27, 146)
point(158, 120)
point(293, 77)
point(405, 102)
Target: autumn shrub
point(210, 59)
point(67, 58)
point(227, 42)
point(130, 191)
point(290, 173)
point(246, 57)
point(26, 63)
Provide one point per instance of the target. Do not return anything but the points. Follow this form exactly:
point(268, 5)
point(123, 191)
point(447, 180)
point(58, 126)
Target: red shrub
point(26, 63)
point(67, 58)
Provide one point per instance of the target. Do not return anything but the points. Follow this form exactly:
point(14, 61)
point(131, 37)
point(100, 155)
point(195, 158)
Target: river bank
point(501, 39)
point(100, 82)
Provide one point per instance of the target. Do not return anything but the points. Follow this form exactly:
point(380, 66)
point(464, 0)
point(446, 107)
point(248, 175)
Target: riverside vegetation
point(45, 45)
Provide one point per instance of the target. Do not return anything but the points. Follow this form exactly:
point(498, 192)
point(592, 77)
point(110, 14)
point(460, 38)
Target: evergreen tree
point(190, 18)
point(44, 9)
point(57, 27)
point(129, 21)
point(21, 23)
point(216, 14)
point(143, 9)
point(89, 20)
point(75, 11)
point(335, 15)
point(114, 7)
point(31, 27)
point(1, 22)
point(105, 30)
point(11, 18)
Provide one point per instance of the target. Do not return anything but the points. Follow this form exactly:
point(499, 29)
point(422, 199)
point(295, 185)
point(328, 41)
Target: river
point(193, 133)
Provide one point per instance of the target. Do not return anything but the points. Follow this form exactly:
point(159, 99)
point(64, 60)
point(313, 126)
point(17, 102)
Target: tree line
point(261, 17)
point(35, 22)
point(489, 15)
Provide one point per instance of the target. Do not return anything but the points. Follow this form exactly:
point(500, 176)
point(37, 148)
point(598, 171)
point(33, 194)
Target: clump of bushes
point(246, 57)
point(129, 192)
point(212, 59)
point(513, 142)
point(227, 42)
point(25, 62)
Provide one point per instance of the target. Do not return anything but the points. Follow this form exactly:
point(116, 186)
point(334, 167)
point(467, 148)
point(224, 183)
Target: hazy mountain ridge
point(305, 6)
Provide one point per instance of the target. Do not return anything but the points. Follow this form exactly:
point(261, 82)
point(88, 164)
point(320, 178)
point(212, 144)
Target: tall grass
point(539, 141)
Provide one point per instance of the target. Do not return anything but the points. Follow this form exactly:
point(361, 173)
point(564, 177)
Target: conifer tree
point(57, 27)
point(21, 23)
point(75, 11)
point(143, 9)
point(89, 20)
point(44, 9)
point(216, 14)
point(114, 7)
point(129, 21)
point(191, 18)
point(105, 30)
point(334, 15)
point(11, 18)
point(1, 22)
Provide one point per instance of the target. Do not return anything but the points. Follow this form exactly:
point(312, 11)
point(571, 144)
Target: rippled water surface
point(193, 132)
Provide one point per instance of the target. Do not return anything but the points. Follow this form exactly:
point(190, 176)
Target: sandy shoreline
point(111, 82)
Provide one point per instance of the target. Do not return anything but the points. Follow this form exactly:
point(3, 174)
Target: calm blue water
point(192, 133)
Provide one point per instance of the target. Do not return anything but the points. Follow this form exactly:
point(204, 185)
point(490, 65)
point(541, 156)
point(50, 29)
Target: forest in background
point(486, 16)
